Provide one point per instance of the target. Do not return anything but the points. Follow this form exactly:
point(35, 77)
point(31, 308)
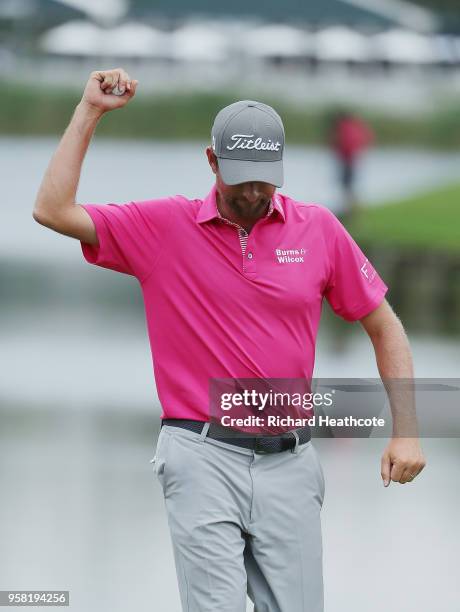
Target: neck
point(234, 215)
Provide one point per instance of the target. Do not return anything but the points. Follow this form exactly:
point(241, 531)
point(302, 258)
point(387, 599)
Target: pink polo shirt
point(213, 311)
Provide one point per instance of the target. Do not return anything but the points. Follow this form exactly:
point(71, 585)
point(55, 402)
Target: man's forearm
point(392, 352)
point(59, 186)
point(395, 365)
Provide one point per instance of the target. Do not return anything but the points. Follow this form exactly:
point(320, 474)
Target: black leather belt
point(259, 444)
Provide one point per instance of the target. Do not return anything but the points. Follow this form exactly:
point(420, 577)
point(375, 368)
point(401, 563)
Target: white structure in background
point(77, 38)
point(82, 38)
point(404, 47)
point(276, 41)
point(199, 42)
point(456, 48)
point(445, 49)
point(341, 44)
point(215, 43)
point(137, 40)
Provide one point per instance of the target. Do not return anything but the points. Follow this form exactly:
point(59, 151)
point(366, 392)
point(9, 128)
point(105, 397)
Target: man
point(233, 286)
point(349, 137)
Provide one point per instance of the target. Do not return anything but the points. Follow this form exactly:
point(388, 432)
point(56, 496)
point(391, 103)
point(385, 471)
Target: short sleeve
point(131, 235)
point(354, 288)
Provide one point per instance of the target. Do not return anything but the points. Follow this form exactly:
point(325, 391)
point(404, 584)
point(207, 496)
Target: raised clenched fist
point(109, 89)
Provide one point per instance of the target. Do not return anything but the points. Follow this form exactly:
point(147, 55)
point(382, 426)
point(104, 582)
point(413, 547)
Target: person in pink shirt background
point(349, 138)
point(233, 285)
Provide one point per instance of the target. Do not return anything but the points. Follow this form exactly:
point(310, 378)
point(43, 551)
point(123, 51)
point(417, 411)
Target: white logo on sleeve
point(367, 270)
point(290, 255)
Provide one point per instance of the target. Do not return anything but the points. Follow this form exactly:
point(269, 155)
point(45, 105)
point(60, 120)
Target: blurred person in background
point(233, 286)
point(349, 137)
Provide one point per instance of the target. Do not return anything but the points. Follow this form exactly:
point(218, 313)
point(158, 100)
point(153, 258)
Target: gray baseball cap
point(248, 140)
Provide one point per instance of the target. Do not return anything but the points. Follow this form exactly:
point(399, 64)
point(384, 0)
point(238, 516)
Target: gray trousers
point(242, 523)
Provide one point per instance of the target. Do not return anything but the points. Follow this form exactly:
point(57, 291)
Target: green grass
point(430, 220)
point(43, 110)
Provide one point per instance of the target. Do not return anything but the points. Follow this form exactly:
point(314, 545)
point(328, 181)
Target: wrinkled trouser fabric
point(242, 523)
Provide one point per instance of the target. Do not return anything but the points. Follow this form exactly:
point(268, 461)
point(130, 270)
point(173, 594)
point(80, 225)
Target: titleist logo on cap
point(247, 141)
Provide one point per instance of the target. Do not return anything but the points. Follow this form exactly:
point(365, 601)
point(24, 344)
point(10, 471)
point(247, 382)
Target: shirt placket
point(242, 236)
point(248, 259)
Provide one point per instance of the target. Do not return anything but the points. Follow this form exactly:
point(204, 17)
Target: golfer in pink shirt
point(233, 285)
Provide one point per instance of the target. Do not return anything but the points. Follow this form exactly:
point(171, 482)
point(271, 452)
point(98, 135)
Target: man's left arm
point(402, 459)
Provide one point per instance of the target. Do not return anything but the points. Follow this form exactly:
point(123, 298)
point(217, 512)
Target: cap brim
point(235, 171)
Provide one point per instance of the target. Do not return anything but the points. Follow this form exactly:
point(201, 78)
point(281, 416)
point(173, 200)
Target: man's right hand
point(97, 94)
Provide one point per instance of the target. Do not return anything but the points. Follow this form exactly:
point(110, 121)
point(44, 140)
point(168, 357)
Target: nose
point(251, 192)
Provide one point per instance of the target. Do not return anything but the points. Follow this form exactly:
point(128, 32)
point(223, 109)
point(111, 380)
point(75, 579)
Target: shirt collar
point(208, 209)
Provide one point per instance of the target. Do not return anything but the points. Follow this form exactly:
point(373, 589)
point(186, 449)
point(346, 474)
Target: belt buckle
point(295, 449)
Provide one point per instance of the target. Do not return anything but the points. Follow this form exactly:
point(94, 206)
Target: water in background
point(80, 507)
point(120, 171)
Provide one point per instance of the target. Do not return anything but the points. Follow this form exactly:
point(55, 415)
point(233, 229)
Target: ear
point(212, 159)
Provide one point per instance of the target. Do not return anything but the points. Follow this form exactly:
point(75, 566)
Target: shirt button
point(249, 255)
